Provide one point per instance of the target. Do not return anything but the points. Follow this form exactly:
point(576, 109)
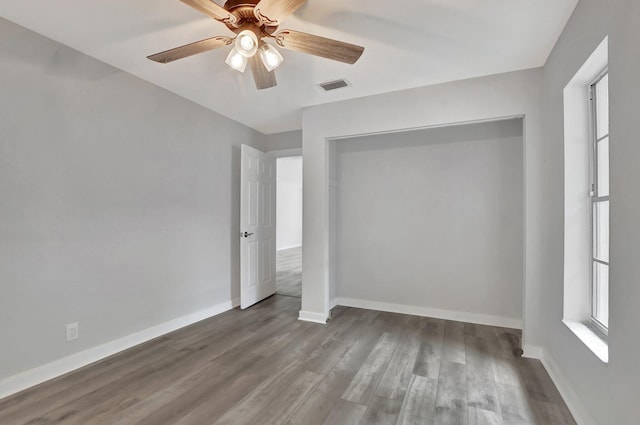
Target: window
point(599, 96)
point(586, 203)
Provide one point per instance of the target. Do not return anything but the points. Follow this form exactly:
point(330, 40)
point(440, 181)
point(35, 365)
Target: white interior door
point(257, 226)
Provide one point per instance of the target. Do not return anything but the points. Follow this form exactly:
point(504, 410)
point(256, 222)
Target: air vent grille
point(334, 85)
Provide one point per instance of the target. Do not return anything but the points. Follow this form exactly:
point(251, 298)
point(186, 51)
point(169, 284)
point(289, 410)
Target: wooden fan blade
point(273, 12)
point(263, 78)
point(190, 49)
point(217, 12)
point(319, 46)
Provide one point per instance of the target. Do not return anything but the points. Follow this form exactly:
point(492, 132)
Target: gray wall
point(515, 94)
point(608, 393)
point(119, 202)
point(282, 141)
point(433, 218)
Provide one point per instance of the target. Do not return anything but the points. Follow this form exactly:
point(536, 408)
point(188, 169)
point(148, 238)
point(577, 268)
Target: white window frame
point(578, 206)
point(594, 323)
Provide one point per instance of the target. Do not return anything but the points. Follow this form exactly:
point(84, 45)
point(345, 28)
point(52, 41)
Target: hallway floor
point(289, 272)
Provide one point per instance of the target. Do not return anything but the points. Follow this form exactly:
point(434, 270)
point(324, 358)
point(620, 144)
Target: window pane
point(601, 230)
point(602, 106)
point(601, 293)
point(603, 167)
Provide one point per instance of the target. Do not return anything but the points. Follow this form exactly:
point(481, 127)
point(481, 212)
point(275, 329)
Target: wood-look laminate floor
point(289, 272)
point(262, 366)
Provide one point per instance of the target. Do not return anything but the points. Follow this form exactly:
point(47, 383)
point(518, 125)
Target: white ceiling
point(408, 43)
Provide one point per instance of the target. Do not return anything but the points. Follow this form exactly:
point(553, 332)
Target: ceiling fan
point(253, 22)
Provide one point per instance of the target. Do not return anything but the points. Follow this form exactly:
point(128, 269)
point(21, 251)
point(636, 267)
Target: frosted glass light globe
point(236, 61)
point(246, 42)
point(270, 56)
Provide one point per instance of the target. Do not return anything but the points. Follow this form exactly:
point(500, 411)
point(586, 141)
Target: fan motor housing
point(232, 4)
point(243, 11)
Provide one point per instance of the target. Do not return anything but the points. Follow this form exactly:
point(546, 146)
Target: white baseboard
point(459, 316)
point(29, 378)
point(575, 405)
point(308, 316)
point(533, 352)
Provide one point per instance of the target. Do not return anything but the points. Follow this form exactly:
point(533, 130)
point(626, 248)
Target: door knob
point(246, 234)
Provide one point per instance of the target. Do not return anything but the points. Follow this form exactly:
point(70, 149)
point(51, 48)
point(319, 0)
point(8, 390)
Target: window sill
point(590, 339)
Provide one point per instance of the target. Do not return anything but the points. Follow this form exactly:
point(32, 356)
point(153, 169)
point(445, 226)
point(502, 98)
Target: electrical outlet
point(72, 331)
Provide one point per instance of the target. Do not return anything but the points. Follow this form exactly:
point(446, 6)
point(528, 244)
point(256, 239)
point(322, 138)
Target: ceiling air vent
point(334, 85)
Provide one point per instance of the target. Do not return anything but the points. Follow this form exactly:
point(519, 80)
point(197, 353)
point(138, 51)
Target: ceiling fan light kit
point(253, 22)
point(270, 56)
point(237, 60)
point(247, 43)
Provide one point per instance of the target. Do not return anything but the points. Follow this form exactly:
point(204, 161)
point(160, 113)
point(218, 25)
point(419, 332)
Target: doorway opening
point(289, 226)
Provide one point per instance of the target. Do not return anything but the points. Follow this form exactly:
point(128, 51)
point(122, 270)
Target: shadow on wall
point(434, 136)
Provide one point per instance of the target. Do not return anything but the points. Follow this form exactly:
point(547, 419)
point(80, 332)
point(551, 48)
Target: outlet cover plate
point(72, 331)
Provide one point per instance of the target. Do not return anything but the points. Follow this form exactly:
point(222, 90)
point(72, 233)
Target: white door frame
point(283, 153)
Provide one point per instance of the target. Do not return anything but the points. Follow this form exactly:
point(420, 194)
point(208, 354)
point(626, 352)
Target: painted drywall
point(514, 94)
point(284, 141)
point(605, 393)
point(289, 202)
point(119, 204)
point(433, 218)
